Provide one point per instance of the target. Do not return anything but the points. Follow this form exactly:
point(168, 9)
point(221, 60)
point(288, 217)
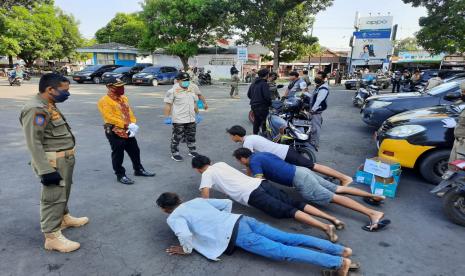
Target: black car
point(446, 74)
point(378, 108)
point(93, 73)
point(155, 75)
point(380, 81)
point(125, 73)
point(418, 139)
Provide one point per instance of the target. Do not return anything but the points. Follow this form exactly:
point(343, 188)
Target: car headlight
point(405, 131)
point(379, 104)
point(148, 76)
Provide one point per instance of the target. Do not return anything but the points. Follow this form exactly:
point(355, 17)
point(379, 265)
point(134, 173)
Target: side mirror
point(280, 86)
point(453, 95)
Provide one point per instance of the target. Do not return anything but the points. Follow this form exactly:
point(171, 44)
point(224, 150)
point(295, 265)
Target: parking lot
point(127, 234)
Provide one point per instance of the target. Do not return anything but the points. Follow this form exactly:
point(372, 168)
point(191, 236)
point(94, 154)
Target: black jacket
point(233, 71)
point(259, 94)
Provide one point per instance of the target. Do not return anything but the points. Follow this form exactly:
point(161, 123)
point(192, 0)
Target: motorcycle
point(453, 186)
point(205, 78)
point(13, 80)
point(363, 93)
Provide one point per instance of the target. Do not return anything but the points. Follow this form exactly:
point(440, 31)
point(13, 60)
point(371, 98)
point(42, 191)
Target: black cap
point(183, 76)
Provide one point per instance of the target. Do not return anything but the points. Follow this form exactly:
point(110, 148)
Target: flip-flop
point(379, 225)
point(339, 226)
point(355, 266)
point(373, 202)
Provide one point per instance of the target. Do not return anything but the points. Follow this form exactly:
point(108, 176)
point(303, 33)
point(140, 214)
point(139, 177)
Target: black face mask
point(462, 97)
point(318, 81)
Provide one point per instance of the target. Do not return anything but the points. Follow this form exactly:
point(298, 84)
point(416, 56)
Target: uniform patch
point(39, 119)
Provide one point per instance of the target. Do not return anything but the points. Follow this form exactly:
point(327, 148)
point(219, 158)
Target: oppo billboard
point(375, 22)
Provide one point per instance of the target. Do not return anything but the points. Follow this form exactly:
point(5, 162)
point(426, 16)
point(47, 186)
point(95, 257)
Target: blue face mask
point(185, 84)
point(62, 96)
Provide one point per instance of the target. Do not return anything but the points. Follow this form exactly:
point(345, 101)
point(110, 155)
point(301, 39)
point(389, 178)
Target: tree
point(123, 28)
point(70, 39)
point(182, 26)
point(406, 44)
point(277, 24)
point(443, 28)
point(28, 4)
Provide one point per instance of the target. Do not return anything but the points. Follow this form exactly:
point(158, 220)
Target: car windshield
point(92, 68)
point(150, 70)
point(442, 88)
point(122, 70)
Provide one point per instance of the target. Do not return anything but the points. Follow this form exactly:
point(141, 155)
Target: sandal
point(372, 201)
point(355, 266)
point(379, 225)
point(339, 225)
point(332, 234)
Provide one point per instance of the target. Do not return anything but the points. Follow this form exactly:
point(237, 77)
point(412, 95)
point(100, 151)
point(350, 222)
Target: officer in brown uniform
point(51, 144)
point(458, 150)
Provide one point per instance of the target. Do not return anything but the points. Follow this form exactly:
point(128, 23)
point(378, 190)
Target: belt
point(63, 153)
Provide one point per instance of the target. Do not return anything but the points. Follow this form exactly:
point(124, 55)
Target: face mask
point(185, 84)
point(118, 90)
point(62, 96)
point(318, 81)
point(462, 97)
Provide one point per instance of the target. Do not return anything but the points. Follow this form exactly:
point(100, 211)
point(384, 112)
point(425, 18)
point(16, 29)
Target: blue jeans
point(264, 240)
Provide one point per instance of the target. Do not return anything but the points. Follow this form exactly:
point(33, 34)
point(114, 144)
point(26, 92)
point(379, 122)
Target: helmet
point(183, 76)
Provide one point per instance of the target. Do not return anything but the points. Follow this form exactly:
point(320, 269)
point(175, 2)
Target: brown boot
point(70, 221)
point(56, 241)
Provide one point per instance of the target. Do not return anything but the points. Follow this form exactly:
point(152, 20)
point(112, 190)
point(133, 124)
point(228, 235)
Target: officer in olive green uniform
point(51, 144)
point(458, 150)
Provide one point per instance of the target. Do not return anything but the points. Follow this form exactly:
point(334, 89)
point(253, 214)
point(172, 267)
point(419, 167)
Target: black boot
point(125, 180)
point(143, 172)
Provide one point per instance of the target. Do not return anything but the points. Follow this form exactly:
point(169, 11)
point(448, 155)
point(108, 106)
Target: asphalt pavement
point(127, 233)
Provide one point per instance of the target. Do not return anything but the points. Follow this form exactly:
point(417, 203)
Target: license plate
point(138, 81)
point(447, 175)
point(76, 78)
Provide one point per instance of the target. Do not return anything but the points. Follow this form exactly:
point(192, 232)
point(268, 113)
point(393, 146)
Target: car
point(155, 75)
point(381, 81)
point(93, 73)
point(417, 139)
point(378, 108)
point(124, 73)
point(446, 74)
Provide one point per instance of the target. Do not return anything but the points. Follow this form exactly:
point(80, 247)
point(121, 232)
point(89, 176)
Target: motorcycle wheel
point(454, 207)
point(251, 116)
point(307, 153)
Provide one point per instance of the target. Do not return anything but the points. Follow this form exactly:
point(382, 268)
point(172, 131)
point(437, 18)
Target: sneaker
point(125, 180)
point(193, 154)
point(177, 157)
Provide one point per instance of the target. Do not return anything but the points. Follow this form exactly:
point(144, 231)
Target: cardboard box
point(362, 176)
point(385, 186)
point(381, 167)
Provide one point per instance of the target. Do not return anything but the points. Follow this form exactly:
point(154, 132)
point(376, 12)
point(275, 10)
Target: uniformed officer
point(458, 150)
point(121, 129)
point(51, 144)
point(319, 104)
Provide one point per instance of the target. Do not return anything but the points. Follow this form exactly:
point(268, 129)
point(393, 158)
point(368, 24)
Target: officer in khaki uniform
point(458, 150)
point(51, 144)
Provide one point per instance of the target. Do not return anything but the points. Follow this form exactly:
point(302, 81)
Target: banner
point(378, 34)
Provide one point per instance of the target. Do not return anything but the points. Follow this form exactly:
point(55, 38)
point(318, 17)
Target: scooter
point(363, 93)
point(13, 80)
point(453, 186)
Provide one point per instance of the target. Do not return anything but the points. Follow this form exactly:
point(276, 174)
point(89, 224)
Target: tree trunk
point(10, 61)
point(185, 62)
point(276, 44)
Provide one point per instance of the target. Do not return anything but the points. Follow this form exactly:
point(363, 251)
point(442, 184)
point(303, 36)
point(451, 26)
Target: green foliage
point(41, 31)
point(182, 26)
point(28, 4)
point(442, 30)
point(123, 28)
point(406, 44)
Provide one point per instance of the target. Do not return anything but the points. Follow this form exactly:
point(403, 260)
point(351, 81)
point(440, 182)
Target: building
point(111, 53)
point(416, 60)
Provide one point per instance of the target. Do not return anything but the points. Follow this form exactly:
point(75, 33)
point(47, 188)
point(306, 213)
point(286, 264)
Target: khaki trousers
point(458, 150)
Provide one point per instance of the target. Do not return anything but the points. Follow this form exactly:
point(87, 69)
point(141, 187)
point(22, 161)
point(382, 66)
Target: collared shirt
point(205, 225)
point(296, 86)
point(182, 103)
point(111, 111)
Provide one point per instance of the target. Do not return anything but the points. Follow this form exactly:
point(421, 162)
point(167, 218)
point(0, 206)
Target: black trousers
point(118, 146)
point(395, 86)
point(260, 113)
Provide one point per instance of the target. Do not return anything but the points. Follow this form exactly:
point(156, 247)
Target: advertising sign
point(242, 54)
point(375, 22)
point(419, 56)
point(371, 49)
point(378, 34)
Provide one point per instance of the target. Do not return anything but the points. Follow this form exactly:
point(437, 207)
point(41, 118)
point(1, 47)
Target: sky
point(333, 26)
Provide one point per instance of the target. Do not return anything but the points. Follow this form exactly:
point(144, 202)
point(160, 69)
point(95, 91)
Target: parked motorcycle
point(453, 186)
point(205, 78)
point(363, 93)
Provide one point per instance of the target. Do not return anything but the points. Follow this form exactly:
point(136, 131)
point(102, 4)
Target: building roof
point(111, 47)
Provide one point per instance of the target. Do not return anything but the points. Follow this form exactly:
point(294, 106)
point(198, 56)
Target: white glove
point(132, 130)
point(449, 123)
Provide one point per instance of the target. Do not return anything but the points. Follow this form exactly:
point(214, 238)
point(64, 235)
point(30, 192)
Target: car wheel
point(347, 87)
point(453, 205)
point(96, 80)
point(154, 82)
point(434, 165)
point(307, 153)
point(80, 82)
point(126, 80)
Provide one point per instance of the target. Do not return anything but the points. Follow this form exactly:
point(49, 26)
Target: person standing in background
point(260, 100)
point(234, 82)
point(319, 104)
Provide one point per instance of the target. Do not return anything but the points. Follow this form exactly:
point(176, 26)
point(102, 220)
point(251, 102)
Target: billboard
point(242, 53)
point(375, 23)
point(378, 34)
point(371, 49)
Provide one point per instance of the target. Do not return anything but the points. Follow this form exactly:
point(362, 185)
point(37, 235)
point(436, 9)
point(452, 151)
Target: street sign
point(242, 54)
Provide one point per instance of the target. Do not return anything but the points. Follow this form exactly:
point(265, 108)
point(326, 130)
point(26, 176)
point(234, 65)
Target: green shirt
point(46, 130)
